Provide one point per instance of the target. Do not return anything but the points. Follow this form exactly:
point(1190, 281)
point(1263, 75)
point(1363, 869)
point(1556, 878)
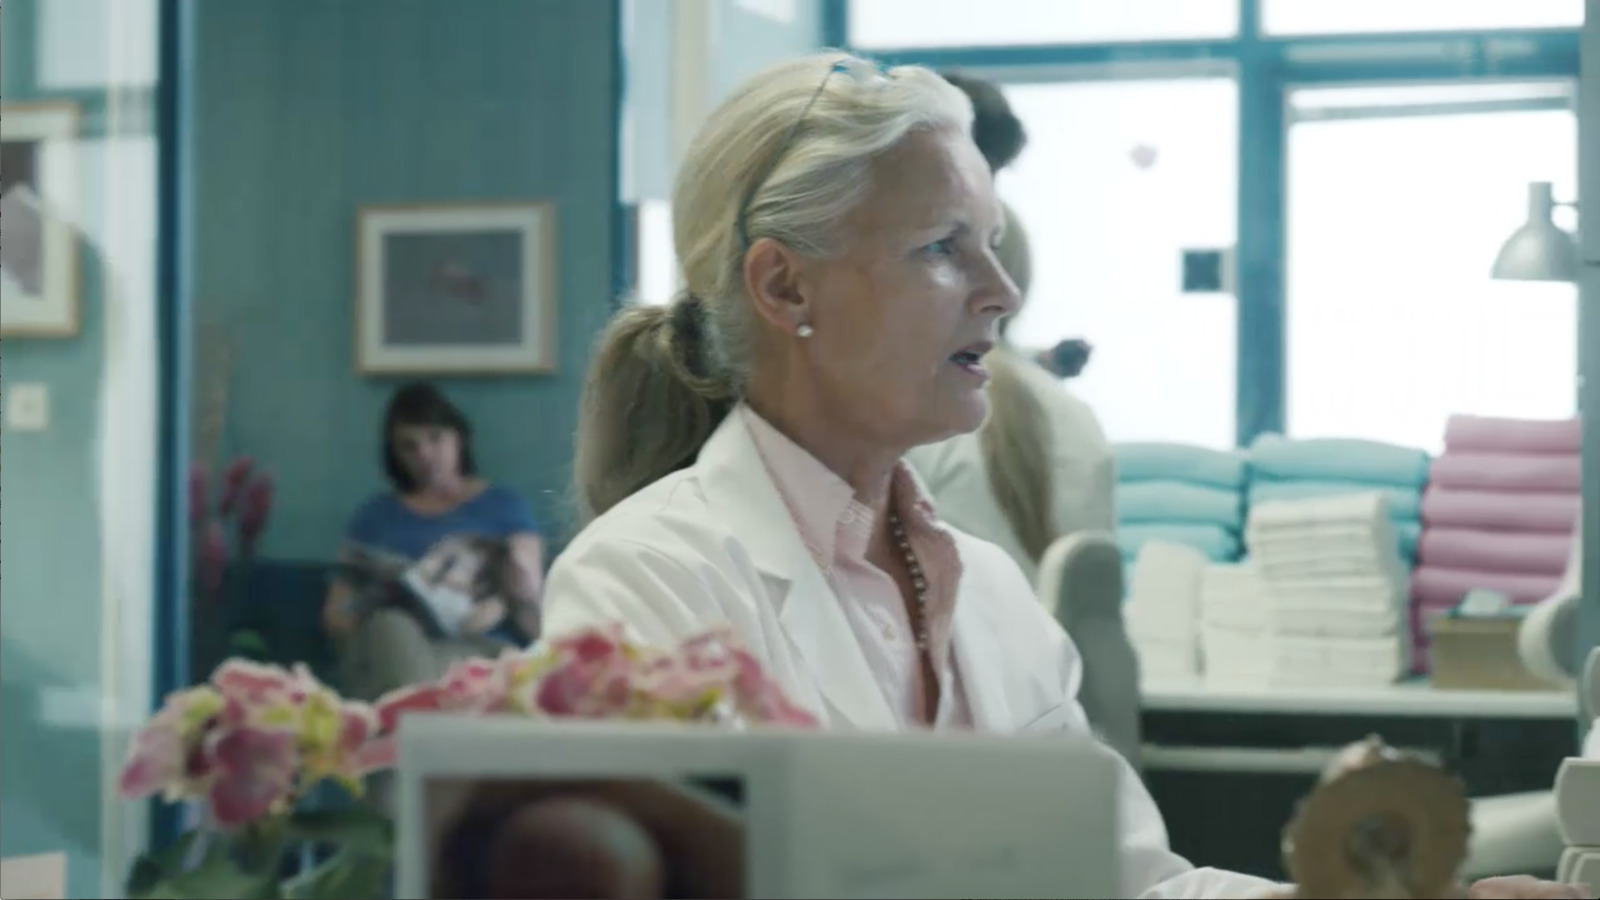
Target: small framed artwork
point(466, 289)
point(39, 250)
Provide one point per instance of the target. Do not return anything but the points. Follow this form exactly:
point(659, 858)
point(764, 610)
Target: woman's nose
point(999, 296)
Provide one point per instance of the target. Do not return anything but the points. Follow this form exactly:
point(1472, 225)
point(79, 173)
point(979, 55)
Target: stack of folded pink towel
point(1499, 514)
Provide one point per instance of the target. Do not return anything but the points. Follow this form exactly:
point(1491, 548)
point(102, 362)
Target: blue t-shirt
point(386, 523)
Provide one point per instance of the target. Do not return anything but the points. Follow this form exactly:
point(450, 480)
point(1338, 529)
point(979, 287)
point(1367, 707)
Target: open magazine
point(439, 590)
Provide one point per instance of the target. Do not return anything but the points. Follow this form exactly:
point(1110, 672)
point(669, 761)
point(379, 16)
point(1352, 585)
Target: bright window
point(1393, 321)
point(1117, 180)
point(966, 23)
point(658, 264)
point(1356, 16)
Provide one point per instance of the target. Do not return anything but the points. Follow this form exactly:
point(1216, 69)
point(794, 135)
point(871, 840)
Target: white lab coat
point(714, 545)
point(1083, 472)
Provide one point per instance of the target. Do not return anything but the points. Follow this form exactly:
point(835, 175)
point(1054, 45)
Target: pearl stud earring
point(804, 331)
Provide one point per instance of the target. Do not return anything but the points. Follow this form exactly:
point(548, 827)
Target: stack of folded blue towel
point(1285, 469)
point(1180, 494)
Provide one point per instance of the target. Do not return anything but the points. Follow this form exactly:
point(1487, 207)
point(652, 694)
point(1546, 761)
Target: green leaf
point(218, 878)
point(248, 644)
point(346, 876)
point(151, 869)
point(360, 829)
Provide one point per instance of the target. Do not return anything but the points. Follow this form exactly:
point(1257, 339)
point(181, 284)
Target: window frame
point(1268, 68)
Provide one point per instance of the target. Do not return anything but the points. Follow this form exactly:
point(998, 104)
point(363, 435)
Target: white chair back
point(1081, 583)
point(1545, 639)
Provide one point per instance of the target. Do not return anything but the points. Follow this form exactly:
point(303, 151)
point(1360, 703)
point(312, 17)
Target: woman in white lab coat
point(740, 450)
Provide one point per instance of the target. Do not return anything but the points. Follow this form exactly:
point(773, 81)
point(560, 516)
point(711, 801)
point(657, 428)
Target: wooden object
point(1379, 824)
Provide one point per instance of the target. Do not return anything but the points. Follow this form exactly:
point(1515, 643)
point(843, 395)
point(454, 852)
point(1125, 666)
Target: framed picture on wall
point(456, 289)
point(38, 243)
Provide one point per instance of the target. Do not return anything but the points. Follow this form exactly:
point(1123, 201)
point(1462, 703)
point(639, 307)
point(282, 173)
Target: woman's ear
point(772, 277)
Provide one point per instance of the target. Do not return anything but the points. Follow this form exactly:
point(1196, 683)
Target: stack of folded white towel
point(1234, 606)
point(1320, 601)
point(1163, 610)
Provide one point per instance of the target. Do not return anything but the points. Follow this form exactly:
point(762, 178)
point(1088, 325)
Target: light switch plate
point(27, 407)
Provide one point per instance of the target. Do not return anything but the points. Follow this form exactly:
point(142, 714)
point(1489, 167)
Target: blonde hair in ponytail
point(787, 156)
point(1018, 448)
point(646, 376)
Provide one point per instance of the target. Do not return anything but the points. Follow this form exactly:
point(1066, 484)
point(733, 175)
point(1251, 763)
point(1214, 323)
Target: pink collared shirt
point(836, 529)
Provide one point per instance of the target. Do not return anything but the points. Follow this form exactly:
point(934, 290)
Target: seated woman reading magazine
point(444, 567)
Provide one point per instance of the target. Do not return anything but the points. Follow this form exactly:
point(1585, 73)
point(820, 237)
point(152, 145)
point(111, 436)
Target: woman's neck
point(445, 493)
point(867, 468)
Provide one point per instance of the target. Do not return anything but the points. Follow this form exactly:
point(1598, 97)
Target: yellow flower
point(197, 706)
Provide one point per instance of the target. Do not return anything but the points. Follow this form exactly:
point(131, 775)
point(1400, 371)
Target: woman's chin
point(962, 415)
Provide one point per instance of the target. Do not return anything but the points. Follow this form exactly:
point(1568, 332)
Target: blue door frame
point(1266, 69)
point(171, 627)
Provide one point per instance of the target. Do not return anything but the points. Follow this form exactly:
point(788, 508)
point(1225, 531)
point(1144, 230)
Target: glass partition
point(78, 204)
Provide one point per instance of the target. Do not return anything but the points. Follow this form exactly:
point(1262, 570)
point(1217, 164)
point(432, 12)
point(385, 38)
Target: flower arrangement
point(248, 745)
point(226, 522)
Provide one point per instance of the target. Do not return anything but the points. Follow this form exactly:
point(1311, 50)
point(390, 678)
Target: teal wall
point(305, 110)
point(50, 622)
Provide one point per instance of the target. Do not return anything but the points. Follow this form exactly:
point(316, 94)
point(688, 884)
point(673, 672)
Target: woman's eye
point(945, 247)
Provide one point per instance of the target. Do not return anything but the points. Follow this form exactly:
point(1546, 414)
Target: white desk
point(1255, 751)
point(1413, 698)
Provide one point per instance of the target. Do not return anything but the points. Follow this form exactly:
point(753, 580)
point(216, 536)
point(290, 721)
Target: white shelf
point(1405, 699)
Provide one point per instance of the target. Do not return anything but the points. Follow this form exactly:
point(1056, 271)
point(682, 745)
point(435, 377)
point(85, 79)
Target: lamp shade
point(1539, 250)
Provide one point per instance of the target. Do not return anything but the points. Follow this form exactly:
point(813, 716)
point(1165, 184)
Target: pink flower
point(358, 725)
point(256, 771)
point(251, 740)
point(376, 755)
point(478, 685)
point(761, 699)
point(473, 686)
point(254, 510)
point(212, 558)
point(593, 689)
point(158, 760)
point(233, 482)
point(163, 757)
point(711, 653)
point(257, 684)
point(198, 491)
point(592, 676)
point(417, 698)
point(590, 644)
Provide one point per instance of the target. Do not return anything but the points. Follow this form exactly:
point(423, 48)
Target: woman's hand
point(483, 617)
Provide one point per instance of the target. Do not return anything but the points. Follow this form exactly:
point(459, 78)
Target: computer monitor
point(697, 811)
